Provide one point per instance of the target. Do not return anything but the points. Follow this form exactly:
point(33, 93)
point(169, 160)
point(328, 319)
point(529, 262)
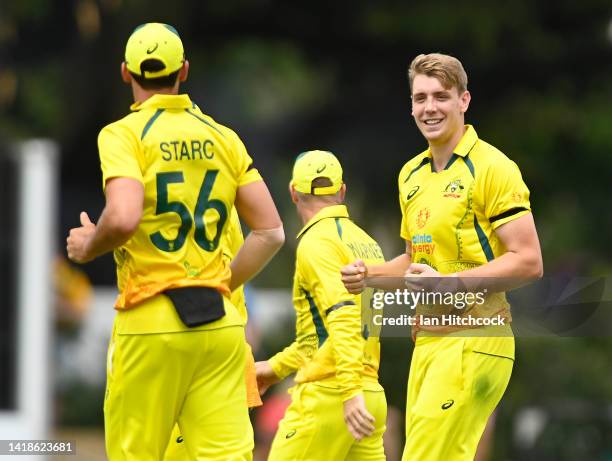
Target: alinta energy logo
point(423, 243)
point(454, 189)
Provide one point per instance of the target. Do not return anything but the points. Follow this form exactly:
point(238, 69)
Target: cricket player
point(338, 408)
point(171, 176)
point(465, 213)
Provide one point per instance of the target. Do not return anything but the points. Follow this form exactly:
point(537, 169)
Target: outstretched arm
point(521, 263)
point(118, 222)
point(356, 276)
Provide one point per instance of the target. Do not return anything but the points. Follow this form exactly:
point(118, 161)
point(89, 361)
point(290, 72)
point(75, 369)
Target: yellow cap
point(154, 41)
point(316, 164)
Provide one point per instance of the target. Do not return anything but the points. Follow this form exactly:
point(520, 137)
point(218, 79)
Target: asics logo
point(413, 191)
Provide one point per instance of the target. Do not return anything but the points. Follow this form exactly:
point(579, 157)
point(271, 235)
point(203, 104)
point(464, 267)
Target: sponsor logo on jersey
point(412, 191)
point(449, 403)
point(423, 243)
point(290, 434)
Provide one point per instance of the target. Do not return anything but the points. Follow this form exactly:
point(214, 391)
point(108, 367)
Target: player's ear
point(293, 193)
point(184, 71)
point(125, 73)
point(464, 101)
point(342, 192)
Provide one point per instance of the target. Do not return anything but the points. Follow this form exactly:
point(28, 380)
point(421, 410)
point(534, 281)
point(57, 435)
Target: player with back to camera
point(171, 176)
point(338, 408)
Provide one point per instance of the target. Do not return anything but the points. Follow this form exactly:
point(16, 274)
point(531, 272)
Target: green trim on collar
point(467, 141)
point(332, 211)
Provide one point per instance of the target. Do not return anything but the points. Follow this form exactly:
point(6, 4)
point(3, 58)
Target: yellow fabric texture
point(179, 372)
point(450, 216)
point(190, 167)
point(313, 428)
point(452, 391)
point(330, 347)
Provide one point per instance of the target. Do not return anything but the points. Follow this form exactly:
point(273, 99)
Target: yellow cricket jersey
point(190, 167)
point(331, 347)
point(450, 216)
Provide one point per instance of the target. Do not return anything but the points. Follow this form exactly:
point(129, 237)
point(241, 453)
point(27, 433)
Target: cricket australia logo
point(454, 189)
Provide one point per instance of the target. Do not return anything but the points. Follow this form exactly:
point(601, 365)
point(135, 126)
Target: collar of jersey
point(466, 142)
point(164, 101)
point(333, 211)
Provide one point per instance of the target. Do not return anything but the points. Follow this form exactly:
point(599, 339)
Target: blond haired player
point(338, 408)
point(171, 176)
point(465, 213)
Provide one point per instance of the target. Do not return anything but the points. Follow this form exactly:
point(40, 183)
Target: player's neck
point(441, 153)
point(308, 211)
point(141, 95)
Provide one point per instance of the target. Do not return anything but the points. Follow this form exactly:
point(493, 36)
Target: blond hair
point(447, 69)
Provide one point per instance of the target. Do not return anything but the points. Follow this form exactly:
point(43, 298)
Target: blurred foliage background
point(289, 77)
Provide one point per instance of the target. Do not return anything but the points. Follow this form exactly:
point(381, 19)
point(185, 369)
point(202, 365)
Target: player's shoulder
point(227, 132)
point(129, 125)
point(487, 156)
point(411, 165)
point(322, 238)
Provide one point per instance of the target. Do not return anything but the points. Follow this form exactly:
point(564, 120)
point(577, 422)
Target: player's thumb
point(85, 221)
point(360, 265)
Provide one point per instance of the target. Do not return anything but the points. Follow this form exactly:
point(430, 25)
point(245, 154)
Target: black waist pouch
point(197, 305)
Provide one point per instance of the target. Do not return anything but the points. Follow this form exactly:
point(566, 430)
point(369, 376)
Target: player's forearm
point(510, 270)
point(347, 343)
point(255, 253)
point(112, 231)
point(387, 276)
point(288, 360)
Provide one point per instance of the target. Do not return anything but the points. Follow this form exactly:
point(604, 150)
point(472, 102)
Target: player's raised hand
point(353, 276)
point(265, 376)
point(357, 417)
point(78, 239)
